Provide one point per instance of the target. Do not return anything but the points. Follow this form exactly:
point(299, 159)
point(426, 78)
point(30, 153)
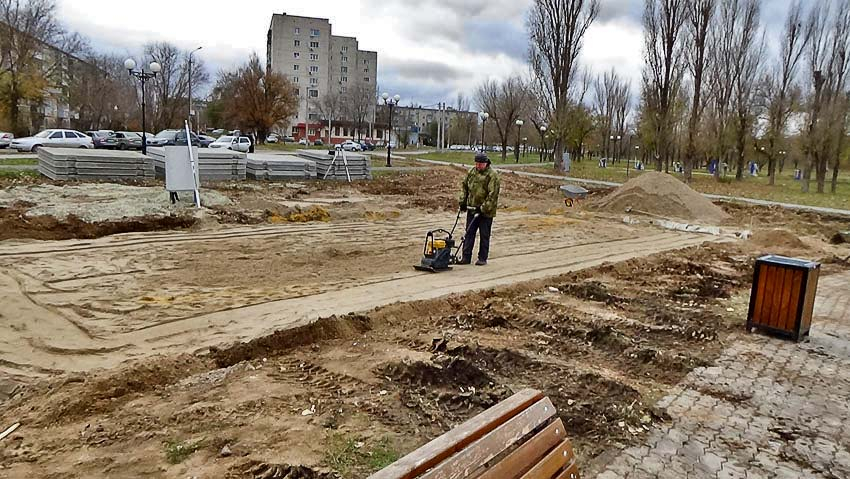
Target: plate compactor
point(440, 251)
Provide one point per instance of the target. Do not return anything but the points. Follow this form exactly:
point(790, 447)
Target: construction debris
point(359, 167)
point(85, 164)
point(215, 165)
point(280, 168)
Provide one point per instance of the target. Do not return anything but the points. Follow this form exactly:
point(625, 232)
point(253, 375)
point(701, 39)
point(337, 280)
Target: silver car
point(6, 139)
point(235, 143)
point(53, 139)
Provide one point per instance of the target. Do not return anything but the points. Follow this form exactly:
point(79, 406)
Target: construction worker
point(479, 196)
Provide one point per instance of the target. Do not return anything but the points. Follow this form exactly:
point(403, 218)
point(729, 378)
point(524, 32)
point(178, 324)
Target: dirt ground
point(164, 354)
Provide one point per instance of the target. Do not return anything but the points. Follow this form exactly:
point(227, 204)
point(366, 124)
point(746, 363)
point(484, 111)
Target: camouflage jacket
point(481, 188)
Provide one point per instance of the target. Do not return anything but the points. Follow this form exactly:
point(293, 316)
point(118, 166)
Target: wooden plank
point(779, 297)
point(449, 443)
point(792, 305)
point(494, 443)
point(552, 463)
point(570, 472)
point(809, 306)
point(527, 455)
point(758, 315)
point(769, 292)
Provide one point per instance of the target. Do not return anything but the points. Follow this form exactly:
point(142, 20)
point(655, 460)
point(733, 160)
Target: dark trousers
point(482, 224)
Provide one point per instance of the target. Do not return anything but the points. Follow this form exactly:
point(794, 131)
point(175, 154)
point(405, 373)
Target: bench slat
point(494, 443)
point(552, 463)
point(528, 454)
point(571, 472)
point(458, 438)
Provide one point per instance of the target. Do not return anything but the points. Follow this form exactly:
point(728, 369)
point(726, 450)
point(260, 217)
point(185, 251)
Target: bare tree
point(663, 21)
point(747, 55)
point(780, 91)
point(330, 108)
point(611, 102)
point(556, 29)
point(506, 102)
point(359, 105)
point(828, 62)
point(700, 15)
point(171, 86)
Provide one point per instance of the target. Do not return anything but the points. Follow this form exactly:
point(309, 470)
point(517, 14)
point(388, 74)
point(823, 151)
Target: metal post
point(144, 128)
point(390, 136)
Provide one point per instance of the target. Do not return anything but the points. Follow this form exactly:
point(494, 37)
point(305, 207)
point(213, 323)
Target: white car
point(272, 138)
point(351, 145)
point(6, 139)
point(235, 143)
point(53, 139)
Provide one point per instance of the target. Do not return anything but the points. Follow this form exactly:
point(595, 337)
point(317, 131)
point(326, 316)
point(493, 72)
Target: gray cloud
point(420, 70)
point(487, 36)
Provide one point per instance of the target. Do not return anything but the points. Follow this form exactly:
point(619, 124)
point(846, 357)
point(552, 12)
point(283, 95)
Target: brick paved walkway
point(770, 408)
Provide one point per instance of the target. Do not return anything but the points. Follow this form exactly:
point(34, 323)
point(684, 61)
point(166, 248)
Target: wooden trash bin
point(783, 297)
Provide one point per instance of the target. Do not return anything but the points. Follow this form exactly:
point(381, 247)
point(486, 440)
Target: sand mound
point(663, 195)
point(777, 238)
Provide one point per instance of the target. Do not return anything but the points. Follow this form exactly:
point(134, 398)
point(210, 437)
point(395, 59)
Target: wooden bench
point(519, 438)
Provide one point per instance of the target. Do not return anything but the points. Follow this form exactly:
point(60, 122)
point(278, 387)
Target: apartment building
point(317, 62)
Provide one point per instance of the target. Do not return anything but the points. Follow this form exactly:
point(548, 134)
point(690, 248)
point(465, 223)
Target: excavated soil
point(779, 238)
point(663, 195)
point(603, 344)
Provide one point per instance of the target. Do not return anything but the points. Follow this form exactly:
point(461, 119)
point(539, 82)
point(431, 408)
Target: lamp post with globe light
point(519, 124)
point(391, 103)
point(542, 141)
point(143, 76)
point(484, 116)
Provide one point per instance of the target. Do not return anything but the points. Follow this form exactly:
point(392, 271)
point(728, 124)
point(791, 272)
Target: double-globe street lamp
point(484, 116)
point(519, 124)
point(391, 103)
point(143, 76)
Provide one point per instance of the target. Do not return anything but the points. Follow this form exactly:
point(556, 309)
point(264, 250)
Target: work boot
point(481, 262)
point(465, 261)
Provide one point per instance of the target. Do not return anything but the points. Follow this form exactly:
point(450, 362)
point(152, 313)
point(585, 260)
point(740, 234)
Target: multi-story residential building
point(318, 63)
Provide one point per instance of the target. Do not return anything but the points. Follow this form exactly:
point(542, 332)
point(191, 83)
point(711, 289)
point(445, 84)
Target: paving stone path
point(769, 408)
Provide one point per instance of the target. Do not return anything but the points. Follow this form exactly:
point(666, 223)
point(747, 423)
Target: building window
point(314, 68)
point(344, 49)
point(343, 79)
point(365, 70)
point(294, 79)
point(366, 79)
point(297, 31)
point(314, 32)
point(295, 68)
point(314, 93)
point(297, 92)
point(344, 59)
point(297, 43)
point(344, 69)
point(364, 62)
point(314, 44)
point(343, 89)
point(312, 131)
point(296, 55)
point(313, 116)
point(314, 81)
point(314, 56)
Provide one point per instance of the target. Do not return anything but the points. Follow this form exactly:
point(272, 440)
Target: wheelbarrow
point(572, 194)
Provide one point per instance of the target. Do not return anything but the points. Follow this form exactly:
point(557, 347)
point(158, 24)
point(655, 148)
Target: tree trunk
point(807, 173)
point(820, 173)
point(771, 161)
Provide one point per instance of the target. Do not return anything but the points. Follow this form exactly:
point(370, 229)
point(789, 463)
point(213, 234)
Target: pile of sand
point(777, 238)
point(663, 195)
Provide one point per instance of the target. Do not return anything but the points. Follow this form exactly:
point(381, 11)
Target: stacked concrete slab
point(86, 164)
point(359, 166)
point(215, 165)
point(280, 168)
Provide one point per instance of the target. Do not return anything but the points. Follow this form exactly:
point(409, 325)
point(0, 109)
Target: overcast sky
point(428, 50)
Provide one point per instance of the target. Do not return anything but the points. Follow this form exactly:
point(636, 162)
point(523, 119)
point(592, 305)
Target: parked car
point(288, 139)
point(104, 139)
point(205, 140)
point(367, 146)
point(235, 143)
point(172, 138)
point(318, 143)
point(273, 138)
point(351, 145)
point(6, 139)
point(128, 140)
point(54, 139)
point(302, 141)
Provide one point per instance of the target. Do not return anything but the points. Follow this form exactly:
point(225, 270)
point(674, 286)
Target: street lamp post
point(519, 124)
point(391, 102)
point(484, 116)
point(542, 141)
point(524, 146)
point(628, 162)
point(190, 87)
point(143, 76)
